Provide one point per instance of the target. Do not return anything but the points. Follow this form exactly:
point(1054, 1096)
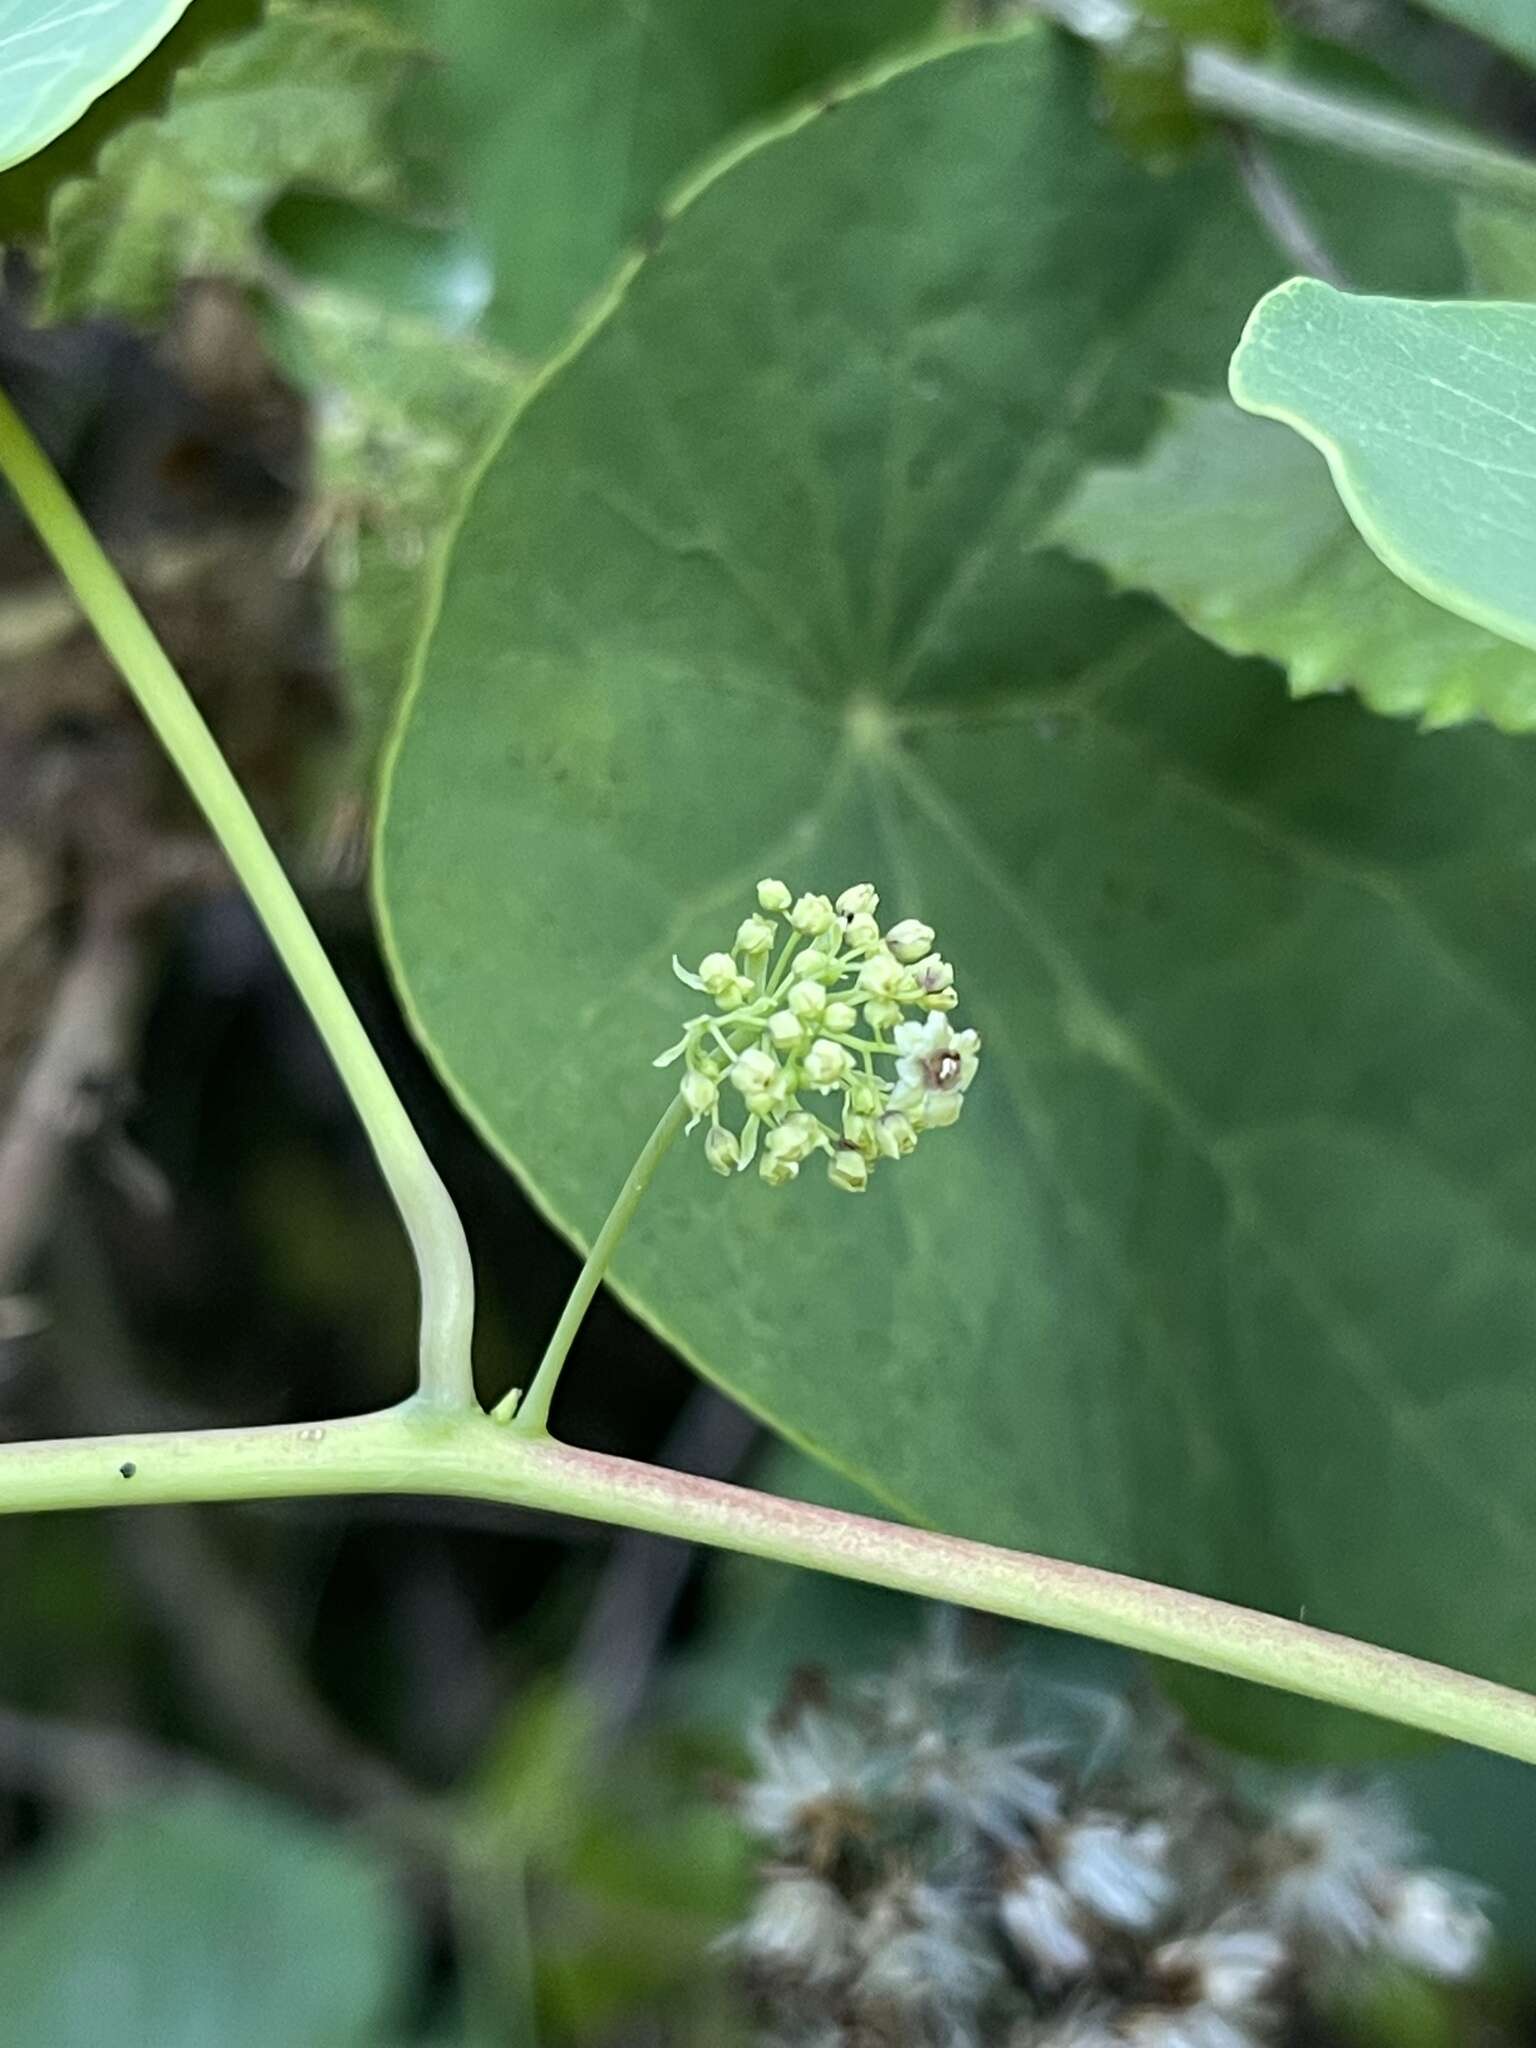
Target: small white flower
point(858, 901)
point(1040, 1919)
point(773, 896)
point(1199, 2027)
point(909, 940)
point(774, 1168)
point(754, 935)
point(1433, 1927)
point(848, 1169)
point(721, 1150)
point(936, 1065)
point(861, 935)
point(827, 1064)
point(799, 1925)
point(1119, 1872)
point(813, 915)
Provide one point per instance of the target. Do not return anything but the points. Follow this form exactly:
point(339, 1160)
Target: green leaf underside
point(1234, 523)
point(197, 1920)
point(300, 101)
point(58, 56)
point(1427, 415)
point(1227, 1275)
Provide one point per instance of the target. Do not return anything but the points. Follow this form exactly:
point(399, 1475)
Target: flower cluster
point(814, 999)
point(942, 1875)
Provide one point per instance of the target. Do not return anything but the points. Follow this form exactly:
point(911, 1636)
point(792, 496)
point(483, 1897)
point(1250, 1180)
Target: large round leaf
point(1226, 1276)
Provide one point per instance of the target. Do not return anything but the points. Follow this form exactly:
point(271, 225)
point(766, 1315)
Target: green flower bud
point(931, 974)
point(910, 939)
point(807, 999)
point(894, 1135)
point(754, 935)
point(721, 1149)
point(813, 915)
point(864, 1095)
point(940, 1111)
point(941, 999)
point(880, 1016)
point(849, 1170)
point(699, 1092)
point(880, 976)
point(796, 1138)
point(717, 973)
point(773, 896)
point(777, 1170)
point(815, 965)
point(860, 1132)
point(786, 1031)
point(840, 1017)
point(827, 1064)
point(862, 934)
point(858, 901)
point(755, 1071)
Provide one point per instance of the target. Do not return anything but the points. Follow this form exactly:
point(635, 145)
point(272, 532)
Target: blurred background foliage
point(375, 1773)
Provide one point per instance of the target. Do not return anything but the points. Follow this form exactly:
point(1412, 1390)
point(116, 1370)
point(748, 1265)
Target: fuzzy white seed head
point(799, 1927)
point(1328, 1858)
point(1231, 1970)
point(1118, 1871)
point(1043, 1924)
point(920, 1952)
point(1434, 1927)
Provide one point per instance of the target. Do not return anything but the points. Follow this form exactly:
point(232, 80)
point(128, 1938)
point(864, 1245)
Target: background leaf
point(56, 59)
point(1509, 23)
point(211, 1918)
point(1244, 1204)
point(567, 121)
point(1427, 415)
point(1235, 524)
point(301, 100)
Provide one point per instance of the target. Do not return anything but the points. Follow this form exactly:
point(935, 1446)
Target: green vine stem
point(440, 1442)
point(531, 1411)
point(1255, 96)
point(431, 1221)
point(407, 1450)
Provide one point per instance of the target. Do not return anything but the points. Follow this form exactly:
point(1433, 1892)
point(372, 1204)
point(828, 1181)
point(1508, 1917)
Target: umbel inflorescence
point(956, 1862)
point(815, 1001)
